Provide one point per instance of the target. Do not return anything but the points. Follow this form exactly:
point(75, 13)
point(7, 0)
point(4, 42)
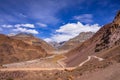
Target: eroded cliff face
point(115, 30)
point(111, 35)
point(117, 18)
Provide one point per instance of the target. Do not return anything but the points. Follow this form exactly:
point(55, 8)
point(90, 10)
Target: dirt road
point(35, 69)
point(89, 58)
point(24, 67)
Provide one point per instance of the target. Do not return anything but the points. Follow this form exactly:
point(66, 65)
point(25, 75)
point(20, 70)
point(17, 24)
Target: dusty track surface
point(48, 62)
point(34, 64)
point(89, 58)
point(43, 64)
point(35, 69)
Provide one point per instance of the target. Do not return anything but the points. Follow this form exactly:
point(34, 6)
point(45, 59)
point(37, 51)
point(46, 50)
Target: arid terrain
point(108, 69)
point(25, 57)
point(74, 42)
point(16, 50)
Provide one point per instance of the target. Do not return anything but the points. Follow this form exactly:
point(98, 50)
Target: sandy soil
point(110, 73)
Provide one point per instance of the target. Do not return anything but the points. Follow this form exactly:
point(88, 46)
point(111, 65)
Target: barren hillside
point(105, 39)
point(74, 42)
point(32, 40)
point(14, 50)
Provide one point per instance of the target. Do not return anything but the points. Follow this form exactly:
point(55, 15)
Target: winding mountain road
point(60, 62)
point(89, 58)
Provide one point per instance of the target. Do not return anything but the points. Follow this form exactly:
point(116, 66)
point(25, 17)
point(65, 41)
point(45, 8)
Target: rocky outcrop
point(74, 42)
point(106, 39)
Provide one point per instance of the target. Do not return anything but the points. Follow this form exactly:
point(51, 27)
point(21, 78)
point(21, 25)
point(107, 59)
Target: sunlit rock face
point(117, 18)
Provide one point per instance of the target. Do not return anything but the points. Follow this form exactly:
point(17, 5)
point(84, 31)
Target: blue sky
point(55, 20)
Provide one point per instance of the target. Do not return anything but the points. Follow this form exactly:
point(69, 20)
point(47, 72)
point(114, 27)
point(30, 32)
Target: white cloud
point(7, 26)
point(25, 25)
point(19, 29)
point(18, 25)
point(46, 11)
point(71, 30)
point(42, 24)
point(86, 18)
point(27, 28)
point(48, 39)
point(11, 34)
point(77, 28)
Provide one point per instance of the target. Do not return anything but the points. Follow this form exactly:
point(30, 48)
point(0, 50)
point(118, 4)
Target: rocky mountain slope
point(56, 45)
point(105, 40)
point(32, 40)
point(15, 50)
point(104, 44)
point(74, 42)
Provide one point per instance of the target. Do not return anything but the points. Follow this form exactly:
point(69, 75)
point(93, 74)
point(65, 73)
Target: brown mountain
point(15, 50)
point(56, 45)
point(74, 42)
point(32, 40)
point(105, 42)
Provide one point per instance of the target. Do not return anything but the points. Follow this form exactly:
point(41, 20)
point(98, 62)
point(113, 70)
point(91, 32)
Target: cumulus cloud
point(42, 24)
point(48, 39)
point(77, 28)
point(18, 25)
point(71, 30)
point(7, 26)
point(59, 37)
point(20, 29)
point(86, 18)
point(27, 28)
point(25, 25)
point(11, 34)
